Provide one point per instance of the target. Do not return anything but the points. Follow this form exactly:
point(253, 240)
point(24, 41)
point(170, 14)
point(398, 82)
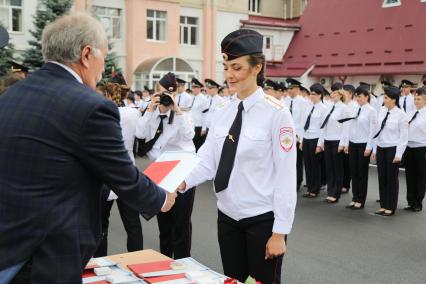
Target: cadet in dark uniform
point(390, 142)
point(250, 151)
point(415, 154)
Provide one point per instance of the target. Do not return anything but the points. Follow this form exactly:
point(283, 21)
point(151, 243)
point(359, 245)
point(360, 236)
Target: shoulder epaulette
point(273, 101)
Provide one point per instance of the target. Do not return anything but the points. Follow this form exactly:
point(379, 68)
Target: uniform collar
point(251, 100)
point(157, 113)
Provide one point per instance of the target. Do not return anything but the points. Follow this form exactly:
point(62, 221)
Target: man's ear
point(85, 54)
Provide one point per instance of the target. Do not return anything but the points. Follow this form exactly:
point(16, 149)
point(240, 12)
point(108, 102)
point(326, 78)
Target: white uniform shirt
point(297, 112)
point(395, 132)
point(198, 104)
point(333, 130)
point(379, 103)
point(363, 128)
point(128, 120)
point(417, 129)
point(409, 103)
point(144, 103)
point(317, 118)
point(175, 137)
point(184, 100)
point(263, 178)
point(214, 102)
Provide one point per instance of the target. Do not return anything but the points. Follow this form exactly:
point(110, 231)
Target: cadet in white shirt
point(349, 101)
point(129, 216)
point(390, 142)
point(199, 105)
point(166, 128)
point(313, 118)
point(272, 88)
point(359, 145)
point(415, 154)
point(332, 141)
point(214, 101)
point(182, 98)
point(297, 106)
point(250, 153)
point(406, 100)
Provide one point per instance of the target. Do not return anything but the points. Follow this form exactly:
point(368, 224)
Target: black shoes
point(413, 209)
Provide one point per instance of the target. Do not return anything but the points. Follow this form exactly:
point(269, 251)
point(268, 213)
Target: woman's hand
point(396, 160)
point(275, 246)
point(318, 150)
point(155, 101)
point(367, 153)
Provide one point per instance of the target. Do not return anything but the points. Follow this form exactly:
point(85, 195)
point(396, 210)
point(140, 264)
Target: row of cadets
point(297, 105)
point(415, 154)
point(332, 140)
point(214, 101)
point(166, 128)
point(359, 144)
point(256, 201)
point(313, 117)
point(198, 105)
point(390, 142)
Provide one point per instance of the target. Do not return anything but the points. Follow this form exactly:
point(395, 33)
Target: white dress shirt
point(409, 103)
point(297, 108)
point(72, 72)
point(363, 128)
point(317, 118)
point(395, 132)
point(184, 101)
point(145, 103)
point(263, 178)
point(214, 102)
point(198, 104)
point(175, 137)
point(417, 129)
point(334, 130)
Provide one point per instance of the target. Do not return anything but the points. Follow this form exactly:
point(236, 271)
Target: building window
point(188, 30)
point(391, 3)
point(254, 6)
point(111, 19)
point(267, 42)
point(11, 15)
point(303, 5)
point(156, 23)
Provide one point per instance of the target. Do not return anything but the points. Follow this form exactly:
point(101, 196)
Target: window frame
point(10, 8)
point(111, 19)
point(188, 26)
point(154, 19)
point(389, 5)
point(256, 8)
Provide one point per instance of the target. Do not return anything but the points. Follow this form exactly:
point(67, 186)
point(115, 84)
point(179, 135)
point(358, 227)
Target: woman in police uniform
point(250, 153)
point(166, 128)
point(390, 142)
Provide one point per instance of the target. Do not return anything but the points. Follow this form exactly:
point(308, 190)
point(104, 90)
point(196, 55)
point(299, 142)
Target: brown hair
point(113, 90)
point(253, 60)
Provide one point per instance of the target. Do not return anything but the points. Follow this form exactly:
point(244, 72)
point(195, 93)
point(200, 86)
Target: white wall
point(280, 41)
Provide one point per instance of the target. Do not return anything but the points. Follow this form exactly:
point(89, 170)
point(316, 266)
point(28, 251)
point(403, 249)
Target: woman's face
point(336, 96)
point(239, 74)
point(420, 101)
point(388, 102)
point(314, 97)
point(362, 99)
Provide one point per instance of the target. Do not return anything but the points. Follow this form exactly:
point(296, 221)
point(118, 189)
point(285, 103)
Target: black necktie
point(308, 120)
point(382, 126)
point(328, 117)
point(291, 107)
point(405, 104)
point(179, 99)
point(414, 116)
point(350, 118)
point(229, 150)
point(148, 145)
point(193, 101)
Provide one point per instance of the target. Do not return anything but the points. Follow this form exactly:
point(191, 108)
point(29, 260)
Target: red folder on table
point(155, 267)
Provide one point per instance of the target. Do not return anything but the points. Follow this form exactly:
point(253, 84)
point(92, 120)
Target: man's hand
point(181, 188)
point(275, 246)
point(170, 201)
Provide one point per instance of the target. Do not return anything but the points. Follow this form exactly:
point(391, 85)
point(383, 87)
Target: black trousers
point(176, 228)
point(299, 166)
point(132, 225)
point(359, 171)
point(242, 248)
point(415, 173)
point(388, 178)
point(198, 139)
point(346, 172)
point(334, 168)
point(312, 165)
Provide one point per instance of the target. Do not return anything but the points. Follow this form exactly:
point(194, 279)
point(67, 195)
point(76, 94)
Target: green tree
point(110, 63)
point(47, 11)
point(6, 54)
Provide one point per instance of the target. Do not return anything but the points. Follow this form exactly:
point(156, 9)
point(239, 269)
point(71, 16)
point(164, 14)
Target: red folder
point(157, 171)
point(88, 273)
point(155, 267)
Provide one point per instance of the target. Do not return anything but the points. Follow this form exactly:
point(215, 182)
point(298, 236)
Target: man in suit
point(60, 141)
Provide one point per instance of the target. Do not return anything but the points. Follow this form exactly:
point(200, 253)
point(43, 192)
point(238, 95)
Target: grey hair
point(63, 39)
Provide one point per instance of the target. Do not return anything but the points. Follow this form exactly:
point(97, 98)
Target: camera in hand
point(165, 99)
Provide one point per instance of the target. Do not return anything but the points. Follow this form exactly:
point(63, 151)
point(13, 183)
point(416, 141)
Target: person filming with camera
point(166, 128)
